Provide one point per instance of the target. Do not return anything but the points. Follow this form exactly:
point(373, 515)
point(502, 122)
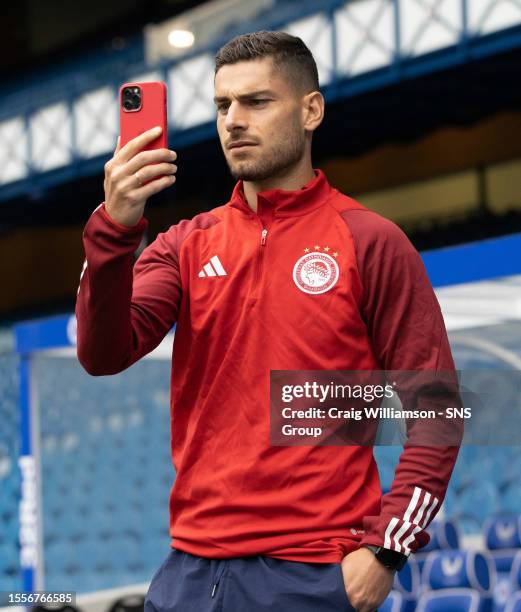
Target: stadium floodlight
point(181, 39)
point(205, 23)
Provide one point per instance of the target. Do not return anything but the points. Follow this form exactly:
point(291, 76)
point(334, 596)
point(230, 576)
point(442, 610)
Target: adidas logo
point(213, 268)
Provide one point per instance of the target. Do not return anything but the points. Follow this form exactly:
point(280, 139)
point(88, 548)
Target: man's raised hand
point(125, 175)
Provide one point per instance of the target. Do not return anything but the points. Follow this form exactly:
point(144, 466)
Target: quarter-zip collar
point(283, 203)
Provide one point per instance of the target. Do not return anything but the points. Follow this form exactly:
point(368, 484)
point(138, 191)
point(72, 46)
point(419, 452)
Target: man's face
point(258, 107)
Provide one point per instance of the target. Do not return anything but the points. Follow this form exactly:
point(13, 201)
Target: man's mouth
point(239, 144)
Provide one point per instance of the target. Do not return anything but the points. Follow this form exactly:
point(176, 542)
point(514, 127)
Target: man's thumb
point(117, 144)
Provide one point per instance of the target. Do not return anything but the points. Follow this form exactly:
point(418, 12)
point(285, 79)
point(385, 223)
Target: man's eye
point(258, 101)
point(222, 107)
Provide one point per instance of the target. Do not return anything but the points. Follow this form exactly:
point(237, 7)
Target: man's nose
point(235, 117)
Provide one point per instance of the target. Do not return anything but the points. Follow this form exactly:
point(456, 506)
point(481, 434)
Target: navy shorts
point(187, 583)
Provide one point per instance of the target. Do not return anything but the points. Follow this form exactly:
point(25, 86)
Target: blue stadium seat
point(451, 600)
point(515, 572)
point(459, 569)
point(10, 583)
point(123, 554)
point(71, 526)
point(58, 557)
point(393, 603)
point(9, 557)
point(407, 583)
point(420, 558)
point(514, 603)
point(503, 531)
point(128, 521)
point(154, 549)
point(502, 591)
point(100, 520)
point(155, 491)
point(158, 518)
point(444, 533)
point(407, 580)
point(502, 537)
point(90, 554)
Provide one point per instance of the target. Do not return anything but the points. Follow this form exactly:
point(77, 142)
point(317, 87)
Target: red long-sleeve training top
point(312, 281)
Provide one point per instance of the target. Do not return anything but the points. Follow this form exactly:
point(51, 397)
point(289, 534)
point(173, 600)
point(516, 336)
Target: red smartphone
point(142, 106)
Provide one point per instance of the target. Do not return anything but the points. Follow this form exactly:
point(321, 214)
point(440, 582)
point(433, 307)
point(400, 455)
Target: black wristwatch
point(388, 558)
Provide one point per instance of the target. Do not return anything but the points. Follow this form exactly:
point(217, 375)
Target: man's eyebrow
point(248, 96)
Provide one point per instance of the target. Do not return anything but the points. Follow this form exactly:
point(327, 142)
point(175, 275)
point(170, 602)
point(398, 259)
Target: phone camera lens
point(131, 98)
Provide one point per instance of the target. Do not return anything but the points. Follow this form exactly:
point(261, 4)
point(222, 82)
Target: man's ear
point(312, 110)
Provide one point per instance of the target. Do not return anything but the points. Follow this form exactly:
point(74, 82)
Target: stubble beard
point(286, 155)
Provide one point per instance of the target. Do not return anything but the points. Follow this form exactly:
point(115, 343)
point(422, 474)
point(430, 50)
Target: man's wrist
point(391, 559)
point(128, 226)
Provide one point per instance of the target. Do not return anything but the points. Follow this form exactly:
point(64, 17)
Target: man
point(290, 274)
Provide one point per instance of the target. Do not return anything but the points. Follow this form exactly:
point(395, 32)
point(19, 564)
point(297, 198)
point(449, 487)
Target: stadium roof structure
point(59, 131)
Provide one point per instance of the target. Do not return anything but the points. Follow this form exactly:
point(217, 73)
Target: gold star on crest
point(326, 249)
point(317, 248)
point(306, 250)
point(335, 254)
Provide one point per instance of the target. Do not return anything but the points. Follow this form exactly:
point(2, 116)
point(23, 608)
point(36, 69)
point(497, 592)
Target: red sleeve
point(123, 310)
point(407, 332)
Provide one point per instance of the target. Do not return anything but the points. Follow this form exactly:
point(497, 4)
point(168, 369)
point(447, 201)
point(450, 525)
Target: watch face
point(391, 558)
point(388, 558)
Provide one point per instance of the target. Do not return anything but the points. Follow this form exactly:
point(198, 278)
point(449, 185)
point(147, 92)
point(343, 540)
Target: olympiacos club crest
point(316, 272)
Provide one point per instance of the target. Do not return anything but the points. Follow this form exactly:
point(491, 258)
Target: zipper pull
point(263, 236)
point(220, 571)
point(216, 583)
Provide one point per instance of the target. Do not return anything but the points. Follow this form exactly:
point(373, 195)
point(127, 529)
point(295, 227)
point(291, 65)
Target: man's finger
point(118, 142)
point(156, 185)
point(138, 143)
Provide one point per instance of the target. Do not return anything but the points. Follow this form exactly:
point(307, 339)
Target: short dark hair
point(288, 52)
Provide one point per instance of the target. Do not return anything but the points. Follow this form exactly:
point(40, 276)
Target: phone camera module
point(131, 99)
